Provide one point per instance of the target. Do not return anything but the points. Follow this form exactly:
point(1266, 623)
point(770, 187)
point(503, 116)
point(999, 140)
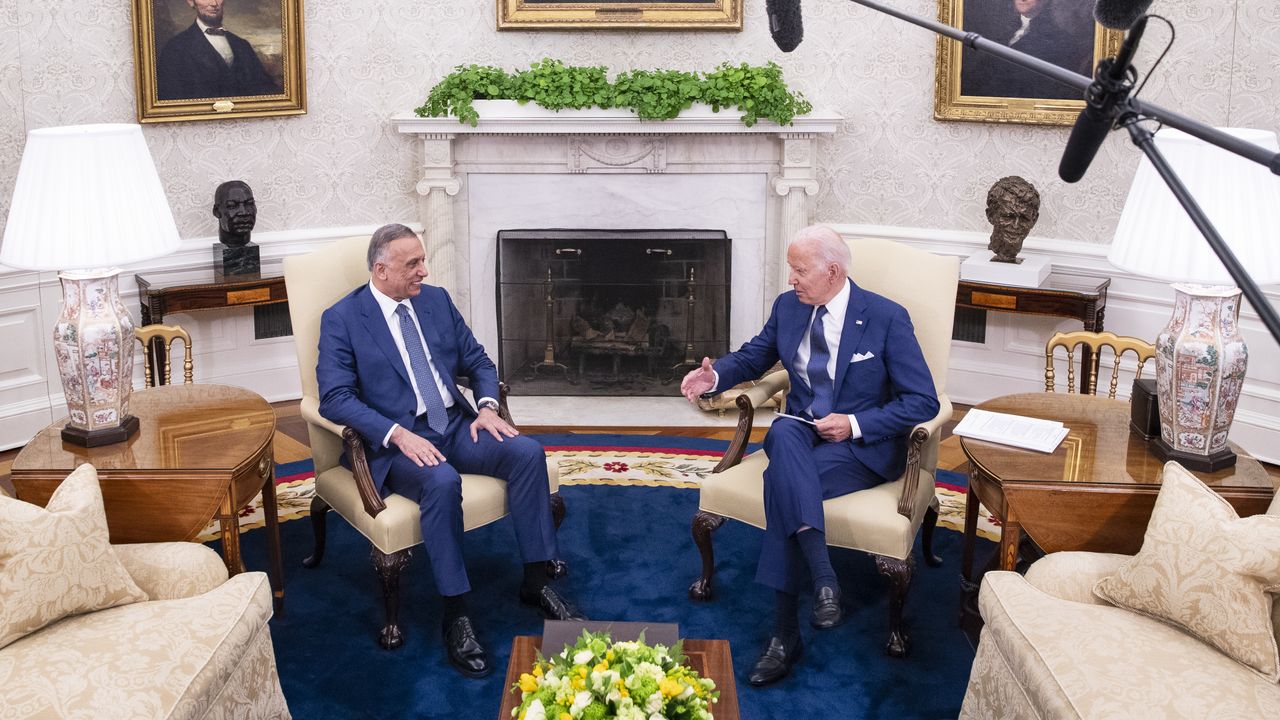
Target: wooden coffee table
point(1094, 493)
point(709, 657)
point(201, 451)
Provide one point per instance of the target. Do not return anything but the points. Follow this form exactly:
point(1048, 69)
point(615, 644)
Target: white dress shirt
point(1022, 29)
point(219, 42)
point(388, 308)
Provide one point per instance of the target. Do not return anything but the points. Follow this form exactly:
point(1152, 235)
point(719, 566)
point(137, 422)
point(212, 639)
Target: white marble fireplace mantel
point(524, 167)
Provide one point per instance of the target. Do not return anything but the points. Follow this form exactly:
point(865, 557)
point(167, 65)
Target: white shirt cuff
point(856, 432)
point(481, 400)
point(387, 440)
point(715, 384)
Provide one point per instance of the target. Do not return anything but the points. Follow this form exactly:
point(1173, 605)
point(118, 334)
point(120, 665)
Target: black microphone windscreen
point(1090, 130)
point(1119, 14)
point(785, 24)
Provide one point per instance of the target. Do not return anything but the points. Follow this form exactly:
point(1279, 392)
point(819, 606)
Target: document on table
point(1016, 430)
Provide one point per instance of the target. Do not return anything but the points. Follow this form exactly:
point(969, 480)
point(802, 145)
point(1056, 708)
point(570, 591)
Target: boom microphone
point(1119, 14)
point(1103, 99)
point(784, 23)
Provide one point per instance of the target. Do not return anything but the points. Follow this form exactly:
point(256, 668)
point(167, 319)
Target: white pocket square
point(859, 357)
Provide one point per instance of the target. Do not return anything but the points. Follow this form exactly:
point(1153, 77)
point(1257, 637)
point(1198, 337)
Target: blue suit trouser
point(520, 461)
point(803, 471)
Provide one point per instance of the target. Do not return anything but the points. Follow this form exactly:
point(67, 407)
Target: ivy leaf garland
point(758, 91)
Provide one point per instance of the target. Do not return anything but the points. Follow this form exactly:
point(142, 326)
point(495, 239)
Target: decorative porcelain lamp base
point(93, 342)
point(1200, 366)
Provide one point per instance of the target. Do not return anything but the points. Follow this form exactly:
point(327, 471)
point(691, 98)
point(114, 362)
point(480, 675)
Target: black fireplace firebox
point(609, 312)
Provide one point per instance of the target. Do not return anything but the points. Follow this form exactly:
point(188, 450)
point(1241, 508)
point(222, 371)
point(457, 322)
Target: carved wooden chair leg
point(389, 568)
point(930, 522)
point(899, 573)
point(319, 510)
point(704, 523)
point(557, 568)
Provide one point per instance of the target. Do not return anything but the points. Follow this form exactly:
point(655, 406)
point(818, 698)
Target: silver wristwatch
point(489, 404)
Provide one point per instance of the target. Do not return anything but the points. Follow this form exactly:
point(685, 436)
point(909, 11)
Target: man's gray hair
point(827, 245)
point(384, 236)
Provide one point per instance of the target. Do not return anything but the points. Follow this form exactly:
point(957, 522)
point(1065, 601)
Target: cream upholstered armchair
point(315, 281)
point(883, 520)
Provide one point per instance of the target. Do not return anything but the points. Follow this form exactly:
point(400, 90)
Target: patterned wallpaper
point(65, 62)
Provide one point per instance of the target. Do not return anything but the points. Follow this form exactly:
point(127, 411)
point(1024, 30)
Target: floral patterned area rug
point(622, 460)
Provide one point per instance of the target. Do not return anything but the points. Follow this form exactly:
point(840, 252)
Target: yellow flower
point(578, 683)
point(622, 690)
point(566, 716)
point(601, 666)
point(582, 671)
point(537, 671)
point(528, 683)
point(608, 656)
point(670, 688)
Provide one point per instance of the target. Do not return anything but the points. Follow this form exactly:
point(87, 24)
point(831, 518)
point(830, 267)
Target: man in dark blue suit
point(860, 383)
point(208, 61)
point(390, 355)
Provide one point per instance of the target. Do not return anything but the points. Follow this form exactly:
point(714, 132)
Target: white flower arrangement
point(598, 679)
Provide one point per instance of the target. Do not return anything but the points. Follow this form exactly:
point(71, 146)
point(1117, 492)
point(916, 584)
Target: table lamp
point(88, 197)
point(1201, 356)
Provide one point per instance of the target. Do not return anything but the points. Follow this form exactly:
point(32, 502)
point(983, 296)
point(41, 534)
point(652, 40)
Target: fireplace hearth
point(609, 312)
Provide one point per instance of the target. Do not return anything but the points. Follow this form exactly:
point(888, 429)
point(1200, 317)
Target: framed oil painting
point(619, 14)
point(978, 87)
point(213, 59)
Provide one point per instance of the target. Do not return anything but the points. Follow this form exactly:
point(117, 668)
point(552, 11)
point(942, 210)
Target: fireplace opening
point(609, 312)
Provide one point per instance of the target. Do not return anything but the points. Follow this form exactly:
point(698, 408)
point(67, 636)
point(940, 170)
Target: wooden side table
point(710, 658)
point(202, 451)
point(195, 289)
point(1094, 493)
point(1070, 296)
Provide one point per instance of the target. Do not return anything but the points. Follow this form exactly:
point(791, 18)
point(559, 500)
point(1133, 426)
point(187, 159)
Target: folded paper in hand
point(1024, 432)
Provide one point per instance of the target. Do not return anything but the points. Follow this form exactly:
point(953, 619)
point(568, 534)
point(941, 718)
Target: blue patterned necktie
point(819, 355)
point(437, 419)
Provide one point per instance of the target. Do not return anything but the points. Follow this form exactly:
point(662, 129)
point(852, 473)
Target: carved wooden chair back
point(149, 336)
point(1095, 342)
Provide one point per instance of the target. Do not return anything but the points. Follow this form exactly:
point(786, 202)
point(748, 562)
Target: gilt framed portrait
point(214, 59)
point(619, 14)
point(978, 87)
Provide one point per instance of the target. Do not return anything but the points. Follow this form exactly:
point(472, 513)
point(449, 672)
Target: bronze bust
point(237, 213)
point(1013, 207)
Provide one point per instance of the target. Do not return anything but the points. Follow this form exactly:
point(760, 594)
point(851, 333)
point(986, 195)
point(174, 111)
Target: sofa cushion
point(1096, 661)
point(1206, 570)
point(162, 659)
point(57, 560)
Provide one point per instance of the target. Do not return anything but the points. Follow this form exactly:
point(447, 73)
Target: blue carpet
point(631, 558)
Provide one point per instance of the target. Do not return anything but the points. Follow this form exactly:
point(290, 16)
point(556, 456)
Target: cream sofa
point(1051, 649)
point(200, 648)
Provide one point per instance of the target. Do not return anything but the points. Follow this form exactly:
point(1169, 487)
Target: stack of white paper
point(1016, 430)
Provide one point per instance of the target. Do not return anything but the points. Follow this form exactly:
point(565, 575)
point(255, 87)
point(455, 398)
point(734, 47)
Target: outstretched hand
point(698, 381)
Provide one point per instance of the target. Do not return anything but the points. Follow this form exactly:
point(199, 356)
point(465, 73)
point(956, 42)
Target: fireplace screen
point(609, 312)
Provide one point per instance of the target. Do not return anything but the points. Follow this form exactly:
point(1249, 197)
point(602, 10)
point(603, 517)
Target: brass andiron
point(549, 352)
point(689, 361)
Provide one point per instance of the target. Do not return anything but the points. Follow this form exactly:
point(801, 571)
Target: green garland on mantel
point(756, 90)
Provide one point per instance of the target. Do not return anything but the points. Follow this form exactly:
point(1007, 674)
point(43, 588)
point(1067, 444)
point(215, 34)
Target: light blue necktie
point(437, 418)
point(819, 380)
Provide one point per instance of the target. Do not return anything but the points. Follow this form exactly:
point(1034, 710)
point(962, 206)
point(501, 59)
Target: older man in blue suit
point(390, 355)
point(860, 383)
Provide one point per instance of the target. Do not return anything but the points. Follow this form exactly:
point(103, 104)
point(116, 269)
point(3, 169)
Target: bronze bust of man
point(1013, 207)
point(237, 213)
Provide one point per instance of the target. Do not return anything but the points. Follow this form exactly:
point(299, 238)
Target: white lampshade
point(87, 196)
point(1156, 238)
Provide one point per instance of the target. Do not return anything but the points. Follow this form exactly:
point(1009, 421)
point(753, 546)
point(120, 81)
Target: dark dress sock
point(813, 543)
point(455, 606)
point(535, 577)
point(786, 623)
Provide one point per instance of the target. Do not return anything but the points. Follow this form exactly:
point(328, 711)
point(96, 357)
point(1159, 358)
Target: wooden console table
point(201, 451)
point(1070, 296)
point(194, 289)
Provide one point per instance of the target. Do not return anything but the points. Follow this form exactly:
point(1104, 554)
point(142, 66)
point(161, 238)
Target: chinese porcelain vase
point(93, 341)
point(1200, 366)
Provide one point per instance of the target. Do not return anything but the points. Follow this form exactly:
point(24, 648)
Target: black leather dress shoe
point(465, 652)
point(553, 606)
point(827, 612)
point(776, 661)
